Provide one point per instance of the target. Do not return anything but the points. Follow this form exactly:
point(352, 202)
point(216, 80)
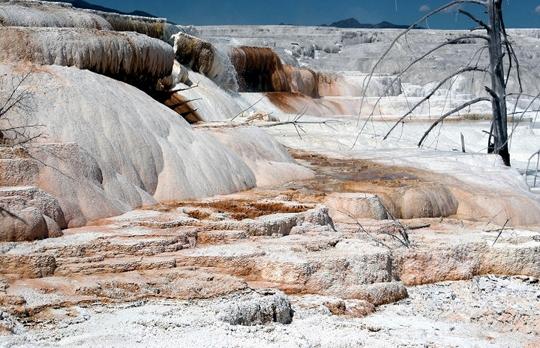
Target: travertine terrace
point(229, 187)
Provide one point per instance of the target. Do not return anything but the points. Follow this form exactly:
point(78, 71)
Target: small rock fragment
point(258, 308)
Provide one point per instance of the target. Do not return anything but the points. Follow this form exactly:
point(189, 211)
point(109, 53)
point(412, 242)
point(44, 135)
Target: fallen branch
point(418, 227)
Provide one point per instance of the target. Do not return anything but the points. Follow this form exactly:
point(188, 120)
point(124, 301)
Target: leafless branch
point(426, 98)
point(500, 232)
point(451, 112)
point(15, 90)
point(419, 59)
point(403, 231)
point(511, 54)
point(364, 231)
point(17, 97)
point(474, 19)
point(365, 84)
point(246, 109)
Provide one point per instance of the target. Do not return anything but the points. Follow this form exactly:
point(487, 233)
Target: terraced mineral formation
point(203, 57)
point(38, 14)
point(110, 156)
point(236, 249)
point(121, 223)
point(125, 56)
point(24, 13)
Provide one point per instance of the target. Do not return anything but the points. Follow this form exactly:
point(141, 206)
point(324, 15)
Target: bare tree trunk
point(498, 142)
point(499, 45)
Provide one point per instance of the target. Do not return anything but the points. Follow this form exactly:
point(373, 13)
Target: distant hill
point(90, 6)
point(354, 23)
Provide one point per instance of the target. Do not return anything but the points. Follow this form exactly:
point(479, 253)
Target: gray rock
point(259, 308)
point(124, 55)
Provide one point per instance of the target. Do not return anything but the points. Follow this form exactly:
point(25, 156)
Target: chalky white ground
point(483, 312)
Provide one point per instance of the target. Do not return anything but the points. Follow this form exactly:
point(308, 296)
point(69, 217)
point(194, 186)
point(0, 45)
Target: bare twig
point(418, 227)
point(365, 84)
point(403, 231)
point(363, 230)
point(451, 112)
point(422, 57)
point(426, 98)
point(476, 20)
point(14, 91)
point(17, 98)
point(500, 232)
point(246, 109)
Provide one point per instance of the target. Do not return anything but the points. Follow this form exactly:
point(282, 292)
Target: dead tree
point(502, 63)
point(16, 104)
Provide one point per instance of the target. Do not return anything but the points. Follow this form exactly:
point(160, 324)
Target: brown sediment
point(405, 192)
point(182, 106)
point(283, 101)
point(198, 214)
point(197, 54)
point(126, 56)
point(259, 69)
point(358, 170)
point(329, 84)
point(295, 103)
point(303, 80)
point(239, 209)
